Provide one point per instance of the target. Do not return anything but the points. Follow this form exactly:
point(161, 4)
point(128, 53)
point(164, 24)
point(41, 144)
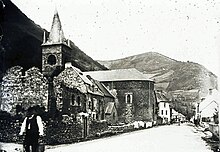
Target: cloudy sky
point(185, 30)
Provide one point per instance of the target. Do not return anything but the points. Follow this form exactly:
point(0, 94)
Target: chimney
point(202, 99)
point(68, 65)
point(68, 42)
point(210, 91)
point(44, 38)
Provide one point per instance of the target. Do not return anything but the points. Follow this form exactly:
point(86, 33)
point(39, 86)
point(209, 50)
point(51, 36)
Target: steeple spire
point(56, 33)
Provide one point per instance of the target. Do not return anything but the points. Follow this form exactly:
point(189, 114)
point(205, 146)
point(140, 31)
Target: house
point(164, 109)
point(177, 116)
point(174, 116)
point(208, 108)
point(134, 91)
point(182, 118)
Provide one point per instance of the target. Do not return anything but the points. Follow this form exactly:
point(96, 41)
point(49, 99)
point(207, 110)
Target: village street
point(171, 138)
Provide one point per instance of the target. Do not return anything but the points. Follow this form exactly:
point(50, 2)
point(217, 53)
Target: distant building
point(185, 95)
point(174, 116)
point(177, 116)
point(208, 107)
point(135, 93)
point(164, 109)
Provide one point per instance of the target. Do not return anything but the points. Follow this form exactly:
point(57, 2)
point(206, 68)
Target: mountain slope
point(168, 73)
point(22, 39)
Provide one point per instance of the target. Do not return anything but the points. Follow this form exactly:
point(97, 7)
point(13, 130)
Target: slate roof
point(161, 96)
point(118, 75)
point(104, 90)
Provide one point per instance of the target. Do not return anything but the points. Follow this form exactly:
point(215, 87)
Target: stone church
point(124, 95)
point(70, 91)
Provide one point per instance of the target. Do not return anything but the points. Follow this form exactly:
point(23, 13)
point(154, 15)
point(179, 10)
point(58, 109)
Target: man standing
point(32, 128)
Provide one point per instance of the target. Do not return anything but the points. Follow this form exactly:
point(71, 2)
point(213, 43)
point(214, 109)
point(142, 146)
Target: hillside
point(22, 39)
point(169, 74)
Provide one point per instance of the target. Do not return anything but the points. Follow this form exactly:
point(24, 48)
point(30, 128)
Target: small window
point(73, 100)
point(164, 104)
point(78, 101)
point(90, 105)
point(113, 116)
point(93, 116)
point(161, 112)
point(166, 112)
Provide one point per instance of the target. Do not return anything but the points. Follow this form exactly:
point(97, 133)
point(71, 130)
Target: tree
point(183, 106)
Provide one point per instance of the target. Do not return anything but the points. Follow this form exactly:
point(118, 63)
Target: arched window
point(128, 98)
point(51, 60)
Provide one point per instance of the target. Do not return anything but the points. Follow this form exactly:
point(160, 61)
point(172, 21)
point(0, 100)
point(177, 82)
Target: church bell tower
point(55, 53)
point(55, 49)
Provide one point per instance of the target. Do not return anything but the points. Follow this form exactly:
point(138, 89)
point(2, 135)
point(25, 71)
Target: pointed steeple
point(56, 33)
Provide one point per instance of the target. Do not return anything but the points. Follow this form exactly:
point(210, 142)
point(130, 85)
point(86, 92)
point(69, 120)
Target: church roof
point(105, 91)
point(72, 77)
point(117, 75)
point(56, 33)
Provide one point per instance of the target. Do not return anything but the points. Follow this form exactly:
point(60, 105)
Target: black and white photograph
point(109, 75)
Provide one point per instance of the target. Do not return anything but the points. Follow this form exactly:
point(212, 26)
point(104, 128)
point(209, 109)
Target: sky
point(185, 30)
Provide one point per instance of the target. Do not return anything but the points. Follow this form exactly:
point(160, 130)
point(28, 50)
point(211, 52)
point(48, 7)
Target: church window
point(78, 101)
point(128, 98)
point(73, 100)
point(51, 60)
point(93, 116)
point(113, 116)
point(90, 105)
point(161, 112)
